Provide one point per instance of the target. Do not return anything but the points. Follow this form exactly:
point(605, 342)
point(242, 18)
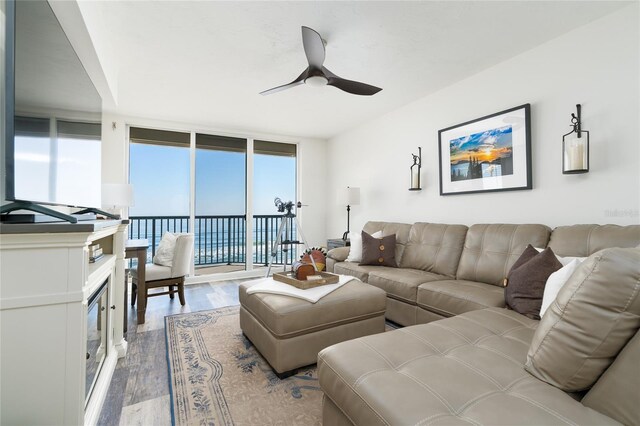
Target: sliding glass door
point(199, 183)
point(220, 204)
point(274, 175)
point(159, 169)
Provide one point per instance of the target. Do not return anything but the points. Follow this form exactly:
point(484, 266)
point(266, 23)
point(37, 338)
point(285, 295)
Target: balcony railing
point(219, 240)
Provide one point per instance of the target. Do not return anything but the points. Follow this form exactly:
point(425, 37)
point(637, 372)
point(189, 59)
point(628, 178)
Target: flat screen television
point(53, 115)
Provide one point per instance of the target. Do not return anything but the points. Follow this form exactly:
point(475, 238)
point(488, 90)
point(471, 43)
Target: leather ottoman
point(289, 332)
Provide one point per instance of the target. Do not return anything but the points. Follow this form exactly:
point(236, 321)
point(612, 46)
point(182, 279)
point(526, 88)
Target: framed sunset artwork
point(491, 153)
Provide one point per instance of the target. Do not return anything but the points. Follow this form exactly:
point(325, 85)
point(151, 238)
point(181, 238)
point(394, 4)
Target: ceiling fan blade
point(296, 82)
point(350, 86)
point(313, 47)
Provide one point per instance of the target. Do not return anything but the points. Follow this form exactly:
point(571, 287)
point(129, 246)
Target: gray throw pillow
point(526, 281)
point(378, 251)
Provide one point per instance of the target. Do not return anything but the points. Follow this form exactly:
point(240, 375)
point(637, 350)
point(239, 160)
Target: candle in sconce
point(576, 156)
point(415, 177)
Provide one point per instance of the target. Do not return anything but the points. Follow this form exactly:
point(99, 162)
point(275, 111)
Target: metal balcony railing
point(219, 240)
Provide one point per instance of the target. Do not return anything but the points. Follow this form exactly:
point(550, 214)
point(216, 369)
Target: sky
point(160, 178)
point(483, 146)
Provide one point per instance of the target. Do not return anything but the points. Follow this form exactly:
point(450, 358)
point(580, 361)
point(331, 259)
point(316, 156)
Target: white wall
point(311, 164)
point(596, 65)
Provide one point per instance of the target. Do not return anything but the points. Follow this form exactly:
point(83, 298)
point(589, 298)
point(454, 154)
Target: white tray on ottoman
point(289, 332)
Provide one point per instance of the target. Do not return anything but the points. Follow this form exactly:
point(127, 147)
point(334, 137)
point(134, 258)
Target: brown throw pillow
point(529, 253)
point(378, 251)
point(526, 281)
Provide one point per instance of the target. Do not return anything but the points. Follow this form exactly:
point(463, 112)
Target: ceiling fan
point(317, 75)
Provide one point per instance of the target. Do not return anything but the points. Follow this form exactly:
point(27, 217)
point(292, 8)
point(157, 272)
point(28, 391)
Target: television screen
point(55, 156)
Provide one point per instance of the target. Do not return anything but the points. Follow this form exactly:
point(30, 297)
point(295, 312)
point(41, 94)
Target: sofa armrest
point(339, 254)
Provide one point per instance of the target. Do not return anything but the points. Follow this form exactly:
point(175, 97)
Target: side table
point(337, 242)
point(136, 249)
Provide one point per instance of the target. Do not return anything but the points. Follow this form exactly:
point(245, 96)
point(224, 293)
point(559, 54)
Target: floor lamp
point(352, 196)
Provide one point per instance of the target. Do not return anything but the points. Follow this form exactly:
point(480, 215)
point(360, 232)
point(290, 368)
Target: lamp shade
point(352, 196)
point(117, 195)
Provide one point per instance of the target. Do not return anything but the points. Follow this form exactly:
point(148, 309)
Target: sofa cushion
point(153, 272)
point(490, 250)
point(616, 392)
point(336, 255)
point(461, 370)
point(401, 284)
point(434, 247)
point(401, 231)
point(593, 317)
point(355, 270)
point(454, 297)
point(584, 240)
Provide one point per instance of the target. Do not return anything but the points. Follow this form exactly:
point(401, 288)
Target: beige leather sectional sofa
point(446, 270)
point(469, 368)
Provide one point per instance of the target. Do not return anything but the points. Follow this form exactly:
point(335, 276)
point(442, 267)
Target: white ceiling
point(206, 62)
point(48, 74)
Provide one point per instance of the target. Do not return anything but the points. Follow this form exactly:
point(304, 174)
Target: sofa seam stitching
point(428, 389)
point(510, 249)
point(452, 295)
point(394, 368)
point(542, 407)
point(475, 401)
point(360, 379)
point(475, 267)
point(444, 232)
point(589, 240)
point(513, 319)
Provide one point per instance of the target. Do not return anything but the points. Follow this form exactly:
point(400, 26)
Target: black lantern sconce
point(575, 147)
point(415, 170)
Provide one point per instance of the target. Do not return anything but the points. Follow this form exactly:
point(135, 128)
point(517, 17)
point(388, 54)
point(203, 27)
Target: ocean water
point(215, 244)
point(488, 170)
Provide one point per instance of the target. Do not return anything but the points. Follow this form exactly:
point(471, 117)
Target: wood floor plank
point(139, 392)
point(149, 412)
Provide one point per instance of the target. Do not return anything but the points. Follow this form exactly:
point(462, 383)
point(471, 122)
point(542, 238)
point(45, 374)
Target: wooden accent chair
point(168, 276)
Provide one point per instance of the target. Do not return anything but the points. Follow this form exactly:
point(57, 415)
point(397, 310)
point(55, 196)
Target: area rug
point(217, 377)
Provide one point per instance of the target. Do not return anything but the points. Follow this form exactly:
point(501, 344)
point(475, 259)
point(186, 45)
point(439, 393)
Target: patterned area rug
point(218, 378)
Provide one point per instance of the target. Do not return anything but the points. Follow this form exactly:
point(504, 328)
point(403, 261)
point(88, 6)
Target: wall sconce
point(352, 198)
point(575, 147)
point(415, 170)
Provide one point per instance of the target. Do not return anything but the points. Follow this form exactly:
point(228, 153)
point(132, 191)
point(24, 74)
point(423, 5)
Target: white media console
point(53, 369)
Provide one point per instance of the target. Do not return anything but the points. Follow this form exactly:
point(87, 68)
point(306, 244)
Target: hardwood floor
point(139, 391)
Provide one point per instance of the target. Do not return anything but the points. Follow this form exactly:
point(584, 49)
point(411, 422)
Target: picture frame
point(488, 154)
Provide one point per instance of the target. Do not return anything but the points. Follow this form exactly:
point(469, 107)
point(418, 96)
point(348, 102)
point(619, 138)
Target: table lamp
point(116, 196)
